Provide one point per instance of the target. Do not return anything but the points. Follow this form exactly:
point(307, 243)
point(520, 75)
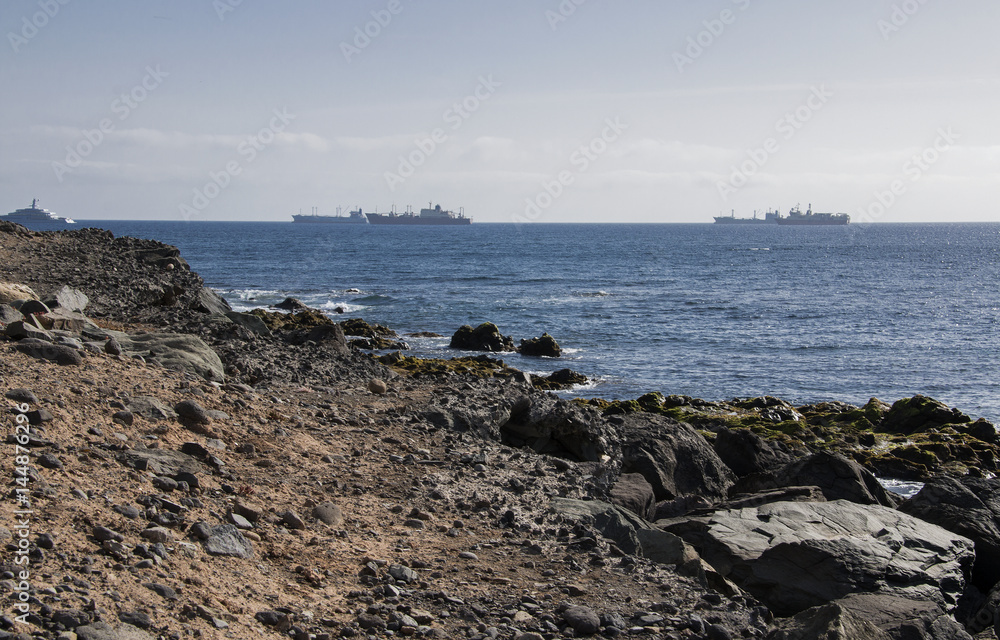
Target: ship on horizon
point(794, 217)
point(770, 217)
point(353, 217)
point(36, 215)
point(429, 216)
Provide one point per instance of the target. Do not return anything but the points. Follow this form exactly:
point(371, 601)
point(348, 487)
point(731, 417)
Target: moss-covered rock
point(361, 328)
point(920, 413)
point(545, 346)
point(378, 343)
point(561, 379)
point(277, 321)
point(485, 337)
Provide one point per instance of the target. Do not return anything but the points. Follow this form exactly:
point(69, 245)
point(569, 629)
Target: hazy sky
point(541, 110)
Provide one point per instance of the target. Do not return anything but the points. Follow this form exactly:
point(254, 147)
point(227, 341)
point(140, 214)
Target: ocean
point(807, 314)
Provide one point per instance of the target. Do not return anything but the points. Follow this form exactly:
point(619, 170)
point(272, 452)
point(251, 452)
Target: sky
point(546, 111)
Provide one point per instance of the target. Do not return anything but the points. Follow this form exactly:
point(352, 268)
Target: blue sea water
point(803, 313)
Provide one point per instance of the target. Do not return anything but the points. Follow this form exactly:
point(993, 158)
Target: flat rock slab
point(226, 540)
point(161, 462)
point(60, 354)
point(796, 555)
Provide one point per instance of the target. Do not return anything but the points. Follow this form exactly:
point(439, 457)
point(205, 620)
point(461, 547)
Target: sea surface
point(803, 313)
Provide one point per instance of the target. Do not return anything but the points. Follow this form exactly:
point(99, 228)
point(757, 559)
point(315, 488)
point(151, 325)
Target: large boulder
point(208, 301)
point(871, 616)
point(920, 413)
point(546, 346)
point(838, 477)
point(905, 619)
point(485, 337)
point(9, 314)
point(58, 353)
point(795, 555)
point(178, 351)
point(674, 458)
point(68, 299)
point(11, 292)
point(634, 493)
point(829, 622)
point(515, 414)
point(630, 533)
point(171, 350)
point(747, 453)
point(969, 507)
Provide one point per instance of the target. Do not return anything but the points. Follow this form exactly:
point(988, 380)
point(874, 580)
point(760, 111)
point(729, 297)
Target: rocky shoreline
point(182, 470)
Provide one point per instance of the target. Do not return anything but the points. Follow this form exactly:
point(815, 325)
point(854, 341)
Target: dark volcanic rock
point(969, 507)
point(830, 622)
point(545, 345)
point(674, 458)
point(9, 314)
point(628, 531)
point(69, 299)
point(290, 304)
point(249, 322)
point(208, 301)
point(634, 493)
point(60, 354)
point(583, 620)
point(485, 337)
point(191, 411)
point(22, 395)
point(226, 540)
point(838, 477)
point(747, 453)
point(920, 413)
point(797, 555)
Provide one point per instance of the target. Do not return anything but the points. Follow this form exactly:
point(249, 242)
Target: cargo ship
point(35, 216)
point(771, 217)
point(354, 217)
point(796, 217)
point(435, 216)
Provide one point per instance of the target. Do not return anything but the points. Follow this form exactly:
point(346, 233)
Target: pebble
point(468, 555)
point(403, 574)
point(103, 533)
point(292, 520)
point(192, 411)
point(49, 461)
point(22, 395)
point(161, 590)
point(378, 387)
point(113, 347)
point(158, 534)
point(136, 619)
point(239, 521)
point(124, 418)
